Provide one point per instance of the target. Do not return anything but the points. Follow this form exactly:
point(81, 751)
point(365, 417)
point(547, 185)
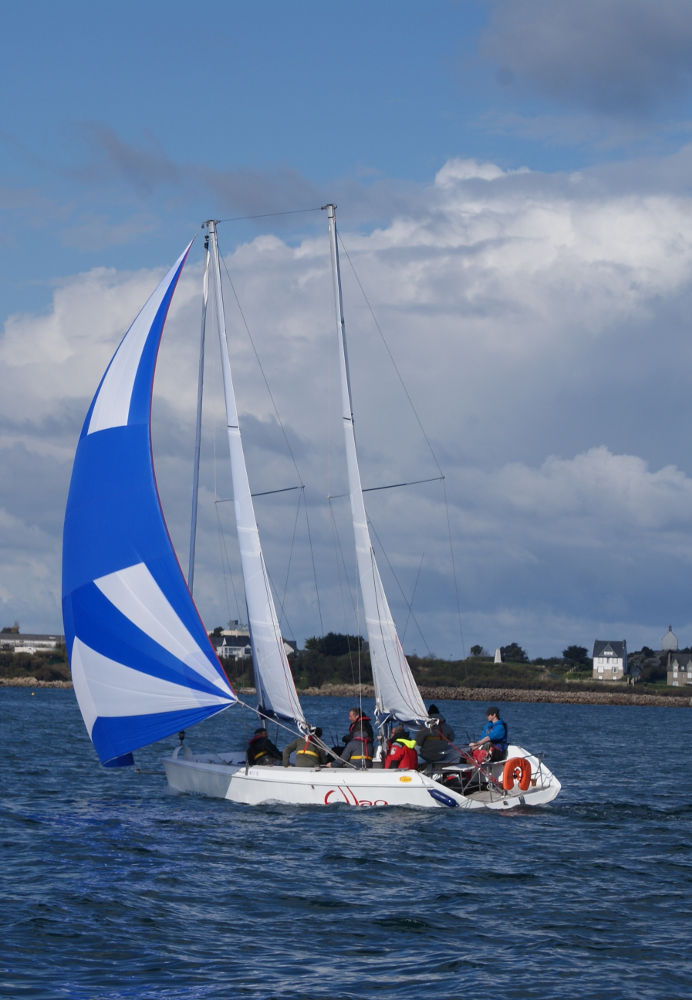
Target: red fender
point(516, 768)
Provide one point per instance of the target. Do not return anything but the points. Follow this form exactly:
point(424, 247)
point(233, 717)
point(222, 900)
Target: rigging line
point(343, 585)
point(401, 589)
point(290, 553)
point(224, 559)
point(301, 502)
point(294, 731)
point(341, 567)
point(454, 574)
point(269, 718)
point(412, 482)
point(269, 215)
point(410, 690)
point(271, 397)
point(226, 566)
point(390, 665)
point(264, 377)
point(271, 590)
point(413, 594)
point(282, 597)
point(314, 567)
point(262, 493)
point(391, 486)
point(391, 356)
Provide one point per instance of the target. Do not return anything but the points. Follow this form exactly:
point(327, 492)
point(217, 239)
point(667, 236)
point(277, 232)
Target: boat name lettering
point(340, 794)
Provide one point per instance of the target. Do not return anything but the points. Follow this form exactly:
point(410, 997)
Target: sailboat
point(142, 663)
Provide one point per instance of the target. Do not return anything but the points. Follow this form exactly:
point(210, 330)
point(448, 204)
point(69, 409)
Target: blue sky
point(513, 180)
point(128, 122)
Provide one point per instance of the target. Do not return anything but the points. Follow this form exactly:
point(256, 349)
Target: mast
point(396, 692)
point(276, 692)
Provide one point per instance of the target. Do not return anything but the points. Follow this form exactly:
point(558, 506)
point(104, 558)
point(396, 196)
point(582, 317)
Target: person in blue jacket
point(494, 738)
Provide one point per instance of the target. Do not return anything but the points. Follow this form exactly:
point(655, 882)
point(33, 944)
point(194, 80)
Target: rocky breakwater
point(564, 696)
point(32, 682)
point(675, 699)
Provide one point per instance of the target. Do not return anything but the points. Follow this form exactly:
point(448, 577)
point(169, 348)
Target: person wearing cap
point(261, 750)
point(402, 751)
point(494, 738)
point(442, 724)
point(308, 750)
point(434, 740)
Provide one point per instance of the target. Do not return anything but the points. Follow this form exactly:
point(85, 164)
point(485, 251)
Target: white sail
point(276, 691)
point(396, 692)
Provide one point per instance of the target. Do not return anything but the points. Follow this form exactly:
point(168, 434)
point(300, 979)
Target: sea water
point(116, 888)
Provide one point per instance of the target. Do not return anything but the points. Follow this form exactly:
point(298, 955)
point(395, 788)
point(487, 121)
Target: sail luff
point(198, 427)
point(276, 691)
point(396, 692)
point(142, 664)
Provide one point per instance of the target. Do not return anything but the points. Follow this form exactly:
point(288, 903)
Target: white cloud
point(539, 324)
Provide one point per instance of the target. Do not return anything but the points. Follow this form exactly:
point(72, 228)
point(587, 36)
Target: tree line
point(338, 658)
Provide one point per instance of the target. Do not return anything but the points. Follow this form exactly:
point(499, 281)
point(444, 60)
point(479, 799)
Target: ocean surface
point(115, 888)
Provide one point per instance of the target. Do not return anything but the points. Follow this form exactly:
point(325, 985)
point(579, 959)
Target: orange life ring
point(516, 768)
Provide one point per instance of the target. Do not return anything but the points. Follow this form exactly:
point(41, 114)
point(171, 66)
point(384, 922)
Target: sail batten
point(142, 664)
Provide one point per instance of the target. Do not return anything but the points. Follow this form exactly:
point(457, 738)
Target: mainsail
point(396, 692)
point(142, 664)
point(276, 692)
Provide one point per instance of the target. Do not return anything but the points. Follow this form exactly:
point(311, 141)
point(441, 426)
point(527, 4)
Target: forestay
point(142, 664)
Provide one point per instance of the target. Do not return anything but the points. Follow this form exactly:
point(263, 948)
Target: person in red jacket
point(402, 751)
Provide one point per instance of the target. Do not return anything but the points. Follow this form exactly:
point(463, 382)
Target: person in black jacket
point(435, 740)
point(261, 750)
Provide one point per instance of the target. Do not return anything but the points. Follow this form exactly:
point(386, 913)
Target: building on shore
point(669, 642)
point(234, 643)
point(609, 660)
point(679, 672)
point(15, 642)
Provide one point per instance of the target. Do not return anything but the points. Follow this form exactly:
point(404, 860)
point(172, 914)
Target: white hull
point(226, 776)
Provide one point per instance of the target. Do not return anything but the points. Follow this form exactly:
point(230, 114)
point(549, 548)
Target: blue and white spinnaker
point(142, 664)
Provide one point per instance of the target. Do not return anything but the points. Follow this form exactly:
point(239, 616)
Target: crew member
point(402, 751)
point(308, 750)
point(434, 746)
point(261, 750)
point(494, 738)
point(358, 740)
point(442, 724)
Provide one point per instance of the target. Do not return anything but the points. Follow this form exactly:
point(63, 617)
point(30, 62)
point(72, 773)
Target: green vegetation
point(49, 665)
point(336, 659)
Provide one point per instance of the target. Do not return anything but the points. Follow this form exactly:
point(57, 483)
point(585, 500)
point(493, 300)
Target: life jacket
point(308, 749)
point(363, 730)
point(360, 731)
point(402, 754)
point(259, 746)
point(367, 749)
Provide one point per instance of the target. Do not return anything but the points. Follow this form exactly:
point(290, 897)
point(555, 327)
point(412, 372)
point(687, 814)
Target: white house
point(609, 660)
point(234, 643)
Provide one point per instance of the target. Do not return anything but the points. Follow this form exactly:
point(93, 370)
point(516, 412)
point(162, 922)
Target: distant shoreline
point(451, 694)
